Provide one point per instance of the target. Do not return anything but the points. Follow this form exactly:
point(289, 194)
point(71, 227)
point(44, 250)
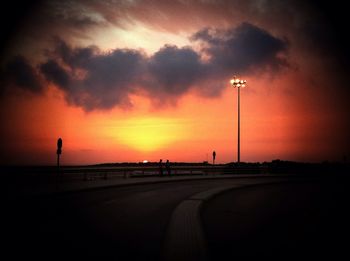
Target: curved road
point(124, 223)
point(289, 221)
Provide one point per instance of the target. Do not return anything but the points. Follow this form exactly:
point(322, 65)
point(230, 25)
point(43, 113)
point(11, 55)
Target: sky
point(127, 81)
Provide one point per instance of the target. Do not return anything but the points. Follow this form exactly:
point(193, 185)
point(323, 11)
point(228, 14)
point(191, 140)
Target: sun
point(150, 134)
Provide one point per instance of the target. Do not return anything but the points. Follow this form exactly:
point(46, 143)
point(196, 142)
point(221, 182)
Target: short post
point(58, 152)
point(214, 156)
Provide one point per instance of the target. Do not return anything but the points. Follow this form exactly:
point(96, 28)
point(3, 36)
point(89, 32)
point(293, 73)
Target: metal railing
point(75, 173)
point(92, 173)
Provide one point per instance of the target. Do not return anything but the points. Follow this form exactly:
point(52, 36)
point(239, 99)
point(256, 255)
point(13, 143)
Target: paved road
point(288, 221)
point(125, 223)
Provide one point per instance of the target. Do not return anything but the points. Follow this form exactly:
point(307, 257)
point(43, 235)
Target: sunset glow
point(148, 134)
point(132, 80)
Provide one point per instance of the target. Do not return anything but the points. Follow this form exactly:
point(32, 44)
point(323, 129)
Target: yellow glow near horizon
point(149, 134)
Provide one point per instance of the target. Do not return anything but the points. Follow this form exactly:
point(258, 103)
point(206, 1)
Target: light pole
point(239, 83)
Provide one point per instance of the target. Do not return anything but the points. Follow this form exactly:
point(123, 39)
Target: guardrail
point(130, 172)
point(70, 174)
point(47, 174)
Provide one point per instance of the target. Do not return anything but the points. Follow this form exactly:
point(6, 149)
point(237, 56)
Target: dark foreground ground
point(286, 221)
point(287, 218)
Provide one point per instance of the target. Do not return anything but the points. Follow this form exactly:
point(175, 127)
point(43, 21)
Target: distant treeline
point(292, 167)
point(137, 164)
point(273, 167)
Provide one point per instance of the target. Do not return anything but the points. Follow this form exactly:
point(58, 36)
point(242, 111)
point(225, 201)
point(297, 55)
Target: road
point(288, 221)
point(123, 223)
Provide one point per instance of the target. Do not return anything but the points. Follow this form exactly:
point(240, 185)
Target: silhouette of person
point(214, 155)
point(167, 166)
point(161, 167)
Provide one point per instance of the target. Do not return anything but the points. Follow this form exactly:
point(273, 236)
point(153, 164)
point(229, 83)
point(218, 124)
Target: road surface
point(125, 223)
point(288, 221)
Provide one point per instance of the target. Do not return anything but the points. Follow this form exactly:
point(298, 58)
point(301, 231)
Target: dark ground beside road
point(288, 221)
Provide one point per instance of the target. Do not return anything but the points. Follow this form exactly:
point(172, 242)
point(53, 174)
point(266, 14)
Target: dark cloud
point(243, 49)
point(92, 79)
point(72, 57)
point(174, 70)
point(19, 72)
point(55, 73)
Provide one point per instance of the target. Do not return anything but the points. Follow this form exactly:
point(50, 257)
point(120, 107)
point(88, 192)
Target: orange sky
point(291, 114)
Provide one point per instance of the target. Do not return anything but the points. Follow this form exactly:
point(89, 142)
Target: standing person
point(214, 155)
point(167, 166)
point(161, 167)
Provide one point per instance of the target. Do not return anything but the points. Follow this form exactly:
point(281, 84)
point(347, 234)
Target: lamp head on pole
point(239, 83)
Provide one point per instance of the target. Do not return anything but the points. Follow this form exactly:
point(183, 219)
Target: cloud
point(174, 70)
point(56, 74)
point(243, 49)
point(93, 79)
point(20, 73)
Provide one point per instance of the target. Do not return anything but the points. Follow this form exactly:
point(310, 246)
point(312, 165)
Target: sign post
point(59, 152)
